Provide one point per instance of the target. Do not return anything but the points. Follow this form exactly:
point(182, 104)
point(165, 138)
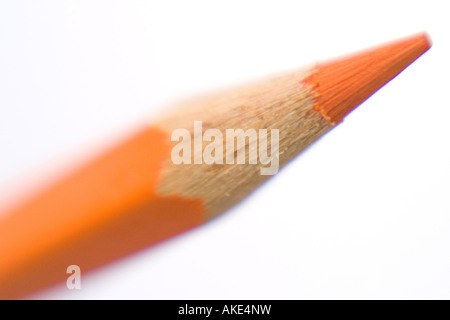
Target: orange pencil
point(184, 169)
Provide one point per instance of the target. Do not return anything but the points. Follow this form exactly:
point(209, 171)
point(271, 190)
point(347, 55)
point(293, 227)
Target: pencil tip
point(343, 84)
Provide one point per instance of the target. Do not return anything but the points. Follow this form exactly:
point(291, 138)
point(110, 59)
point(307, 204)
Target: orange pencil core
point(342, 85)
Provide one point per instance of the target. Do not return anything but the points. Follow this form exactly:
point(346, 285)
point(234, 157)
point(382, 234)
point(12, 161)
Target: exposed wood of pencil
point(133, 196)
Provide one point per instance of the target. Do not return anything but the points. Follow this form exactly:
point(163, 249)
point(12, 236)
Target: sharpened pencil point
point(145, 189)
point(342, 85)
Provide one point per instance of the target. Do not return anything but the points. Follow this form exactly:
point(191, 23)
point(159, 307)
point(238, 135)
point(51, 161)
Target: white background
point(364, 213)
